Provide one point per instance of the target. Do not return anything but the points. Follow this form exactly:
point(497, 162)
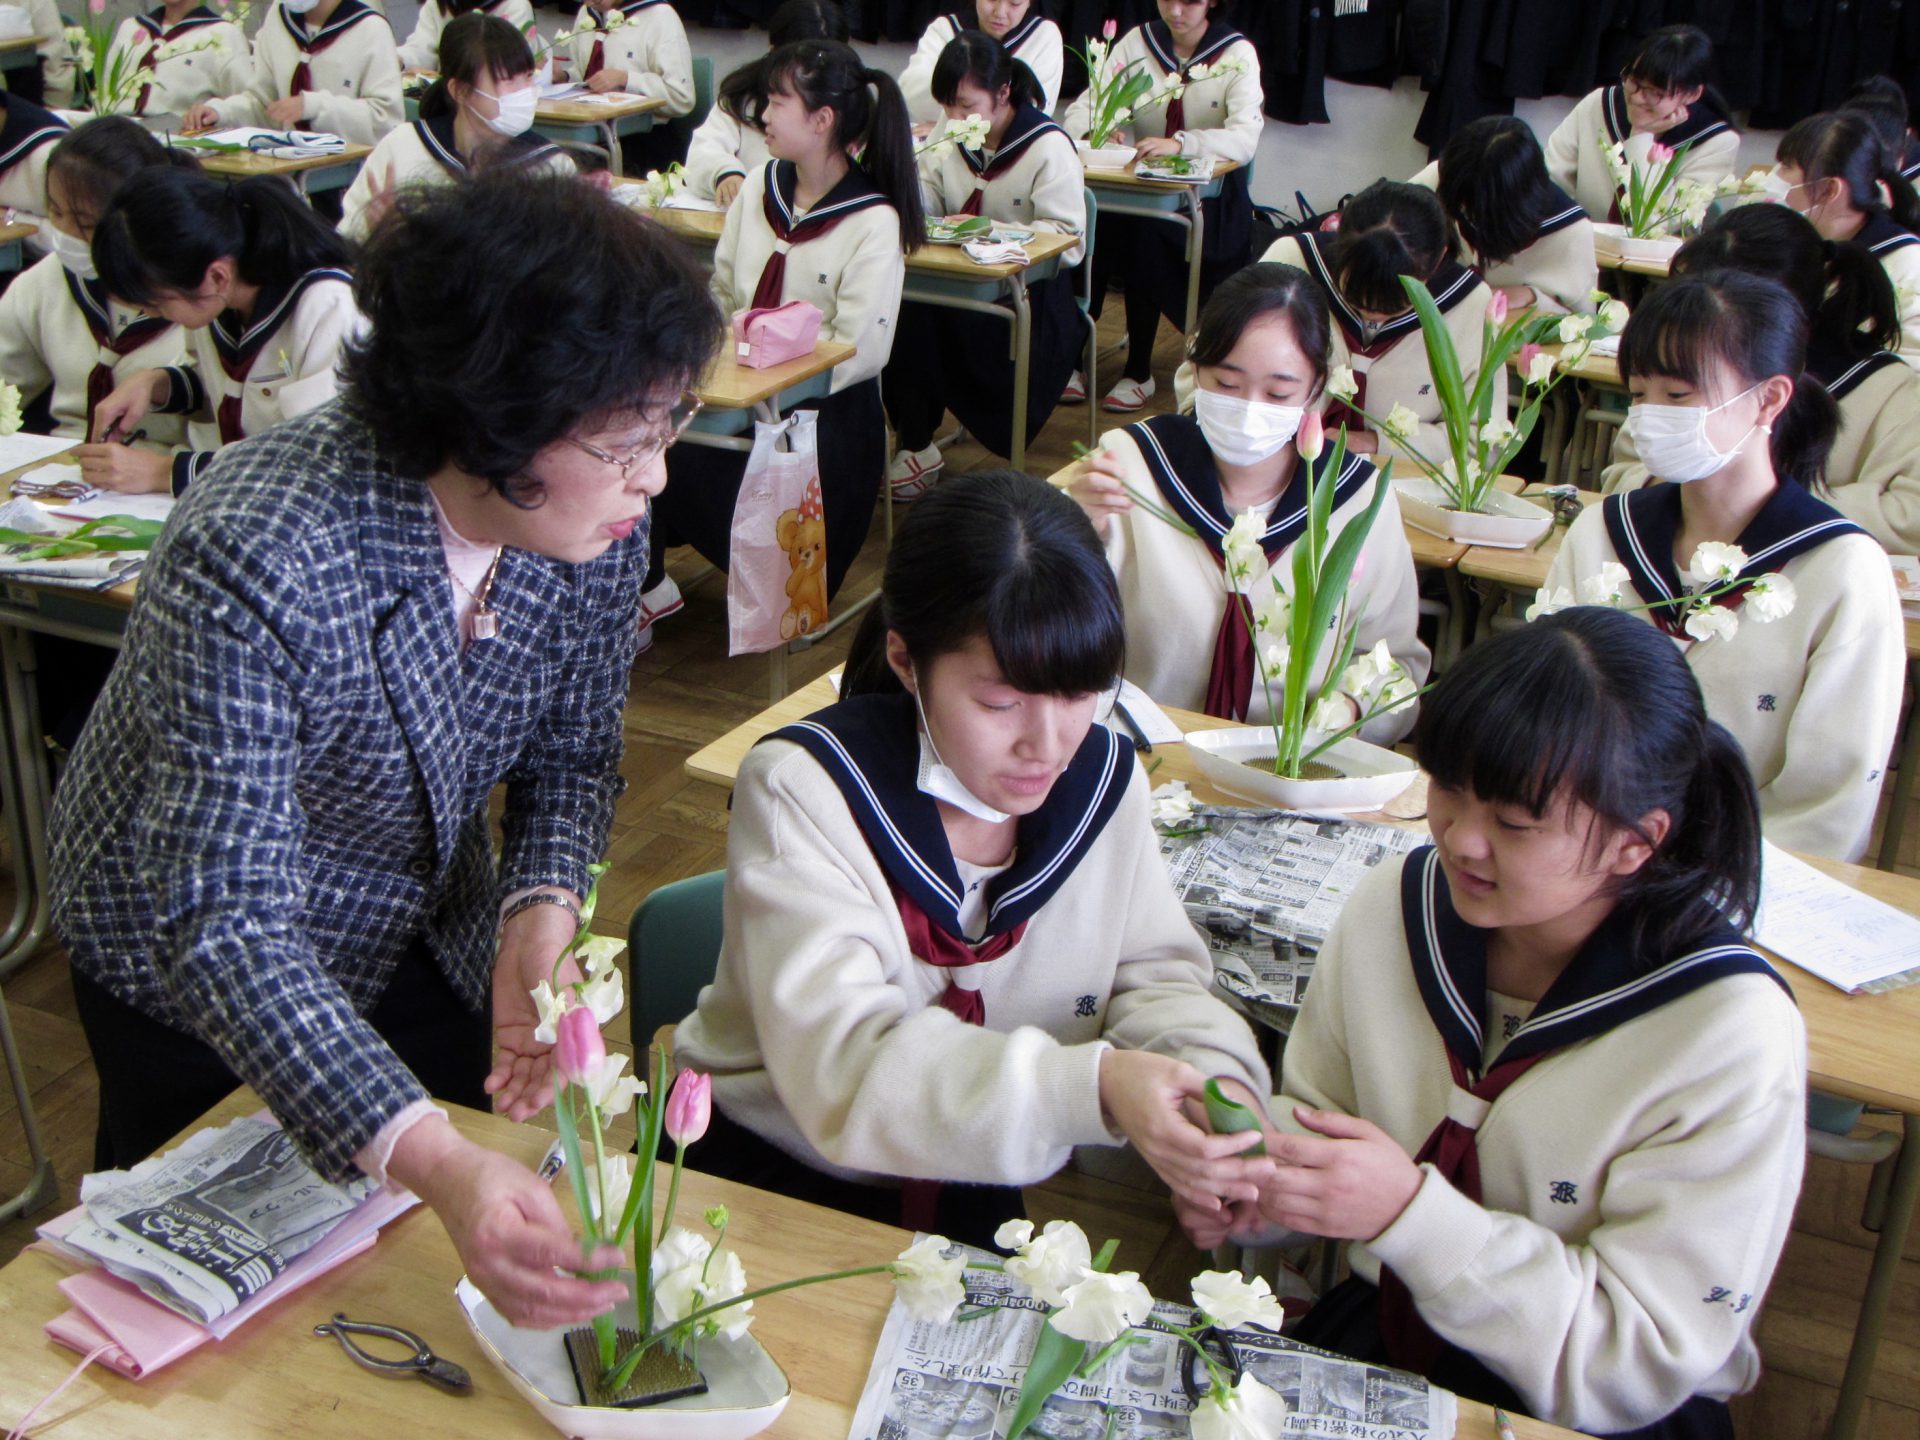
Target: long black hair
point(1754, 327)
point(163, 228)
point(1676, 58)
point(1494, 186)
point(475, 47)
point(1261, 289)
point(1884, 103)
point(91, 160)
point(1845, 145)
point(794, 20)
point(1843, 288)
point(975, 55)
point(1600, 706)
point(997, 554)
point(868, 110)
point(1388, 230)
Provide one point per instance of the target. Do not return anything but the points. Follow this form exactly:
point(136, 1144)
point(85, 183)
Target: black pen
point(1140, 741)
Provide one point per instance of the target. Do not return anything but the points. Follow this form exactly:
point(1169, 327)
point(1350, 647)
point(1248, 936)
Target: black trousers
point(155, 1081)
point(967, 1213)
point(1346, 1320)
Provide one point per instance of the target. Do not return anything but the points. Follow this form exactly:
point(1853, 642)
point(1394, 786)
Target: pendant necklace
point(484, 622)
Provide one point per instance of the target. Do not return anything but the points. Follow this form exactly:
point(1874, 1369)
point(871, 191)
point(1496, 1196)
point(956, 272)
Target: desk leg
point(1886, 1268)
point(1452, 638)
point(24, 790)
point(613, 150)
point(1903, 779)
point(1022, 367)
point(40, 1188)
point(1196, 250)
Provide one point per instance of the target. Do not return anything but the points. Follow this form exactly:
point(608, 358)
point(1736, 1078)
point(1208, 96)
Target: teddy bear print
point(802, 534)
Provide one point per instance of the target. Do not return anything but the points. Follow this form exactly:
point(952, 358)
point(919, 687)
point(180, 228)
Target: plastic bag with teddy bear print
point(777, 554)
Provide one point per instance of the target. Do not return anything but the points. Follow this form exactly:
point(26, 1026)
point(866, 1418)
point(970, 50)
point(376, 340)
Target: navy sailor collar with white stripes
point(1702, 120)
point(1882, 234)
point(345, 17)
point(597, 21)
point(270, 312)
point(1183, 470)
point(870, 747)
point(155, 22)
point(1013, 39)
point(1642, 524)
point(437, 136)
point(1448, 285)
point(1219, 37)
point(855, 191)
point(1564, 211)
point(1028, 124)
point(1842, 372)
point(1606, 984)
point(24, 128)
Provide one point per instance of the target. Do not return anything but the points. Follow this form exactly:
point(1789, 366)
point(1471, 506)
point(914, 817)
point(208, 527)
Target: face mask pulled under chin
point(298, 7)
point(73, 252)
point(938, 780)
point(1673, 441)
point(1244, 432)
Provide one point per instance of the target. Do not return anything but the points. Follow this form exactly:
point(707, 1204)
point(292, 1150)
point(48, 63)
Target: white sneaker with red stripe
point(1128, 396)
point(661, 601)
point(914, 472)
point(1075, 392)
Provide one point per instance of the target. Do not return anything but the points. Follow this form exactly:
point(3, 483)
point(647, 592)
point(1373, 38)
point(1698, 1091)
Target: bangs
point(1676, 332)
point(1055, 627)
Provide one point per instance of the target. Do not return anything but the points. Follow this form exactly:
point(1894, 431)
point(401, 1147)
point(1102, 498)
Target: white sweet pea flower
point(1171, 806)
point(1272, 611)
point(1249, 1411)
point(1401, 421)
point(1331, 712)
point(551, 1007)
point(688, 1276)
point(1549, 604)
point(1614, 315)
point(1366, 670)
point(605, 994)
point(1099, 1307)
point(1575, 327)
point(1397, 692)
point(1231, 1301)
point(1498, 429)
point(1606, 586)
point(970, 132)
point(607, 1190)
point(1197, 73)
point(1771, 598)
point(1097, 52)
point(928, 1280)
point(613, 1091)
point(1341, 384)
point(1540, 368)
point(1716, 561)
point(1245, 557)
point(1274, 656)
point(598, 952)
point(1710, 621)
point(1060, 1255)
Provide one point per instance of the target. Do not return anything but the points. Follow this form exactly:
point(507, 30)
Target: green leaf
point(1228, 1116)
point(1444, 361)
point(1055, 1359)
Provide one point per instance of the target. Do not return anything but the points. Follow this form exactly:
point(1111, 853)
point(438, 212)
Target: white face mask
point(298, 7)
point(73, 252)
point(1774, 186)
point(1672, 439)
point(939, 781)
point(1244, 432)
point(513, 112)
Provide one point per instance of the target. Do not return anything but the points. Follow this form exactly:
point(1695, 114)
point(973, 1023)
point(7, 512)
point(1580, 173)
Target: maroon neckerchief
point(156, 28)
point(350, 13)
point(94, 310)
point(1024, 129)
point(855, 192)
point(1159, 39)
point(238, 353)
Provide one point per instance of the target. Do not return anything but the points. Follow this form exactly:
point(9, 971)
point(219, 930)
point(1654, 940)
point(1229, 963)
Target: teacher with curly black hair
point(272, 850)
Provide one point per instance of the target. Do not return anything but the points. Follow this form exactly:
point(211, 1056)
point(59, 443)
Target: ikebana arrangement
point(1710, 613)
point(108, 76)
point(1654, 200)
point(1115, 92)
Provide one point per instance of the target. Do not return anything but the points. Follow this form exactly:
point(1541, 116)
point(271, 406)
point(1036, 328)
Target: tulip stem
point(673, 1186)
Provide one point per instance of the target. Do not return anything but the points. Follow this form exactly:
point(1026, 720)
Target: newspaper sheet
point(961, 1381)
point(1265, 887)
point(214, 1221)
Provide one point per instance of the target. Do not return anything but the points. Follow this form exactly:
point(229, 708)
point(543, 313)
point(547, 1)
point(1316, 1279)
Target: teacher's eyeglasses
point(678, 419)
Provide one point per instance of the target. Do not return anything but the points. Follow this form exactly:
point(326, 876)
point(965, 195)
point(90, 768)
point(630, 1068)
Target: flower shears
point(422, 1363)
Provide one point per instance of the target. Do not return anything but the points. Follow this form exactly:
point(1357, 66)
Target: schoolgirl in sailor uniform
point(1260, 361)
point(1833, 169)
point(1884, 103)
point(260, 284)
point(813, 224)
point(1814, 695)
point(639, 47)
point(215, 57)
point(727, 147)
point(1026, 173)
point(1663, 94)
point(1388, 230)
point(59, 330)
point(52, 84)
point(479, 112)
point(1029, 36)
point(1541, 1080)
point(1218, 114)
point(1873, 472)
point(422, 48)
point(1522, 232)
point(952, 953)
point(326, 65)
point(27, 135)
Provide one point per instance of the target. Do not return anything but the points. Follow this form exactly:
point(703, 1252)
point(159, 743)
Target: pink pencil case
point(776, 335)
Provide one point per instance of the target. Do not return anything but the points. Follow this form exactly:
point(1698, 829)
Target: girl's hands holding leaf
point(125, 470)
point(1146, 1096)
point(1099, 488)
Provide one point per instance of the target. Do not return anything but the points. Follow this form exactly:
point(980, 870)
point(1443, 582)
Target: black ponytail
point(974, 55)
point(163, 228)
point(1753, 326)
point(1002, 555)
point(474, 47)
point(744, 90)
point(1600, 706)
point(868, 109)
point(1845, 145)
point(1841, 285)
point(1388, 230)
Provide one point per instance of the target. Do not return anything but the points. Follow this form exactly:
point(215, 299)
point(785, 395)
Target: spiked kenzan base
point(660, 1375)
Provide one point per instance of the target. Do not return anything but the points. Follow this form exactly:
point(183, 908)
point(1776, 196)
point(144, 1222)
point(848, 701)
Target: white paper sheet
point(24, 449)
point(1154, 723)
point(1848, 939)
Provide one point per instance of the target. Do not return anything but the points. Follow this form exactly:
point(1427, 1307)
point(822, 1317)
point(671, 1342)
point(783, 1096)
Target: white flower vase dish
point(1613, 242)
point(1367, 777)
point(746, 1388)
point(1507, 523)
point(1106, 157)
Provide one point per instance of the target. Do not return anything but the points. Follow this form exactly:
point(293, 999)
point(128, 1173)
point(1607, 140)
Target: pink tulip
point(98, 7)
point(1527, 354)
point(1110, 29)
point(577, 1046)
point(1658, 154)
point(1497, 308)
point(689, 1107)
point(1311, 438)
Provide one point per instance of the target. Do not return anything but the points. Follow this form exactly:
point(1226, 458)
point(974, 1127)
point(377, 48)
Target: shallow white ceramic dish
point(1371, 776)
point(1613, 240)
point(1107, 157)
point(1508, 522)
point(746, 1391)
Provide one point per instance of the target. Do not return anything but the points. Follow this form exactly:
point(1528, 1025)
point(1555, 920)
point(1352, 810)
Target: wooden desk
point(729, 385)
point(21, 52)
point(592, 121)
point(310, 172)
point(13, 255)
point(1653, 269)
point(1121, 192)
point(273, 1379)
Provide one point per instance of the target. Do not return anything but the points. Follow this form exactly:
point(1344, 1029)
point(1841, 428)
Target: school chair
point(1085, 301)
point(673, 948)
point(1830, 1123)
point(682, 127)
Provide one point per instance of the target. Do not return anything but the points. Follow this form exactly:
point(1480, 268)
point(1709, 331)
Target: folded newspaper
point(1265, 886)
point(213, 1221)
point(961, 1381)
